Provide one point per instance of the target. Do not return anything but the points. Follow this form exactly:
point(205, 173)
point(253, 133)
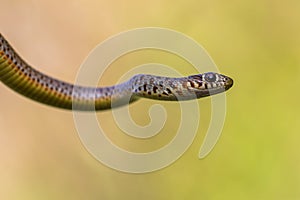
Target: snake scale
point(22, 78)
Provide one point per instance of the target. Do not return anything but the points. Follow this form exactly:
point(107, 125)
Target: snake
point(31, 83)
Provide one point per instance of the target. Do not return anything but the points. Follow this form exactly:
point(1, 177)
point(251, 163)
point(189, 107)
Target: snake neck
point(24, 79)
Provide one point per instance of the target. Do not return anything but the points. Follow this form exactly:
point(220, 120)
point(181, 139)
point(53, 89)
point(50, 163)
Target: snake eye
point(210, 77)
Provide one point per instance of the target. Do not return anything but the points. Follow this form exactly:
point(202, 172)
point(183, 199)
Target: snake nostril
point(228, 82)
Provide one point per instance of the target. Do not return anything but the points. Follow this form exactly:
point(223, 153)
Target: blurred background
point(257, 43)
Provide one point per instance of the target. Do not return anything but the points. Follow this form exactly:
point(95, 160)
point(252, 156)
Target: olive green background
point(257, 43)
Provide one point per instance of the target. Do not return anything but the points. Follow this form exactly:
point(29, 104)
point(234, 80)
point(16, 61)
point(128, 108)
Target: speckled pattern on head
point(22, 78)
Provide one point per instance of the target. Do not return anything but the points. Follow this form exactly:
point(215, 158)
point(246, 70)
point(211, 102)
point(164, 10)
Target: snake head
point(209, 83)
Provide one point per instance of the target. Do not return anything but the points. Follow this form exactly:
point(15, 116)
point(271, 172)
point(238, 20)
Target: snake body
point(22, 78)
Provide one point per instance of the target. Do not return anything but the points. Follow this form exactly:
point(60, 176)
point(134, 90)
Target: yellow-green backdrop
point(255, 42)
